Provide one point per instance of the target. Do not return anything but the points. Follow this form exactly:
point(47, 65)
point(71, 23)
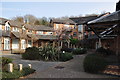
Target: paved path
point(72, 68)
point(37, 65)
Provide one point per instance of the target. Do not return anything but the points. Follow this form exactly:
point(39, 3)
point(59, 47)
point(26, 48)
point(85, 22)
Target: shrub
point(6, 60)
point(94, 63)
point(79, 51)
point(104, 51)
point(48, 53)
point(66, 56)
point(27, 70)
point(31, 53)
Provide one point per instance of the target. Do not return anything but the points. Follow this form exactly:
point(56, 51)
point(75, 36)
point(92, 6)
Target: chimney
point(118, 6)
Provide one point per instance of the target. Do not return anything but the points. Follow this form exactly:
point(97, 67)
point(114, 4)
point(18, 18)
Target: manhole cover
point(59, 67)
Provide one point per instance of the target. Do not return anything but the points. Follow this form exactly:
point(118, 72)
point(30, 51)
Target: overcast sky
point(55, 9)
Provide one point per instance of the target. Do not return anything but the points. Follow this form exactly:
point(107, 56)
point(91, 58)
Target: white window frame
point(7, 26)
point(0, 27)
point(40, 32)
point(49, 33)
point(6, 44)
point(15, 29)
point(23, 44)
point(80, 28)
point(57, 26)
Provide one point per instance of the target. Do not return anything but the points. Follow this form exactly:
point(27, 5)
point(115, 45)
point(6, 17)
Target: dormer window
point(15, 29)
point(7, 26)
point(23, 29)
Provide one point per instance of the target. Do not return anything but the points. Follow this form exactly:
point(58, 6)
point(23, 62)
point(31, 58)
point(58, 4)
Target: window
point(15, 43)
point(29, 43)
point(40, 32)
point(0, 27)
point(15, 29)
point(6, 44)
point(23, 43)
point(23, 29)
point(7, 26)
point(66, 26)
point(49, 33)
point(80, 28)
point(57, 26)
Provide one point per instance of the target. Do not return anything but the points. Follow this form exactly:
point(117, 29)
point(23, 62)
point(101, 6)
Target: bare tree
point(18, 18)
point(30, 19)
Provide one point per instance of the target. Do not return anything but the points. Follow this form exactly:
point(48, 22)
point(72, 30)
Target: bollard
point(10, 67)
point(29, 65)
point(20, 67)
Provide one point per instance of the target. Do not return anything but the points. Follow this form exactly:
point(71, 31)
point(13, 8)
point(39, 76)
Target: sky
point(54, 9)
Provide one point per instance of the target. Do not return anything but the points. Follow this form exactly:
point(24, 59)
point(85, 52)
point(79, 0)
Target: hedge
point(79, 51)
point(94, 63)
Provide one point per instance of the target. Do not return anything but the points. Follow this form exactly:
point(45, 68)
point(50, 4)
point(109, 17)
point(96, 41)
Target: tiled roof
point(115, 16)
point(63, 21)
point(43, 28)
point(47, 37)
point(28, 26)
point(33, 36)
point(3, 20)
point(15, 23)
point(20, 35)
point(12, 23)
point(82, 20)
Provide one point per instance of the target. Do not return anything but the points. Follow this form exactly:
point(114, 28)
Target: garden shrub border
point(47, 53)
